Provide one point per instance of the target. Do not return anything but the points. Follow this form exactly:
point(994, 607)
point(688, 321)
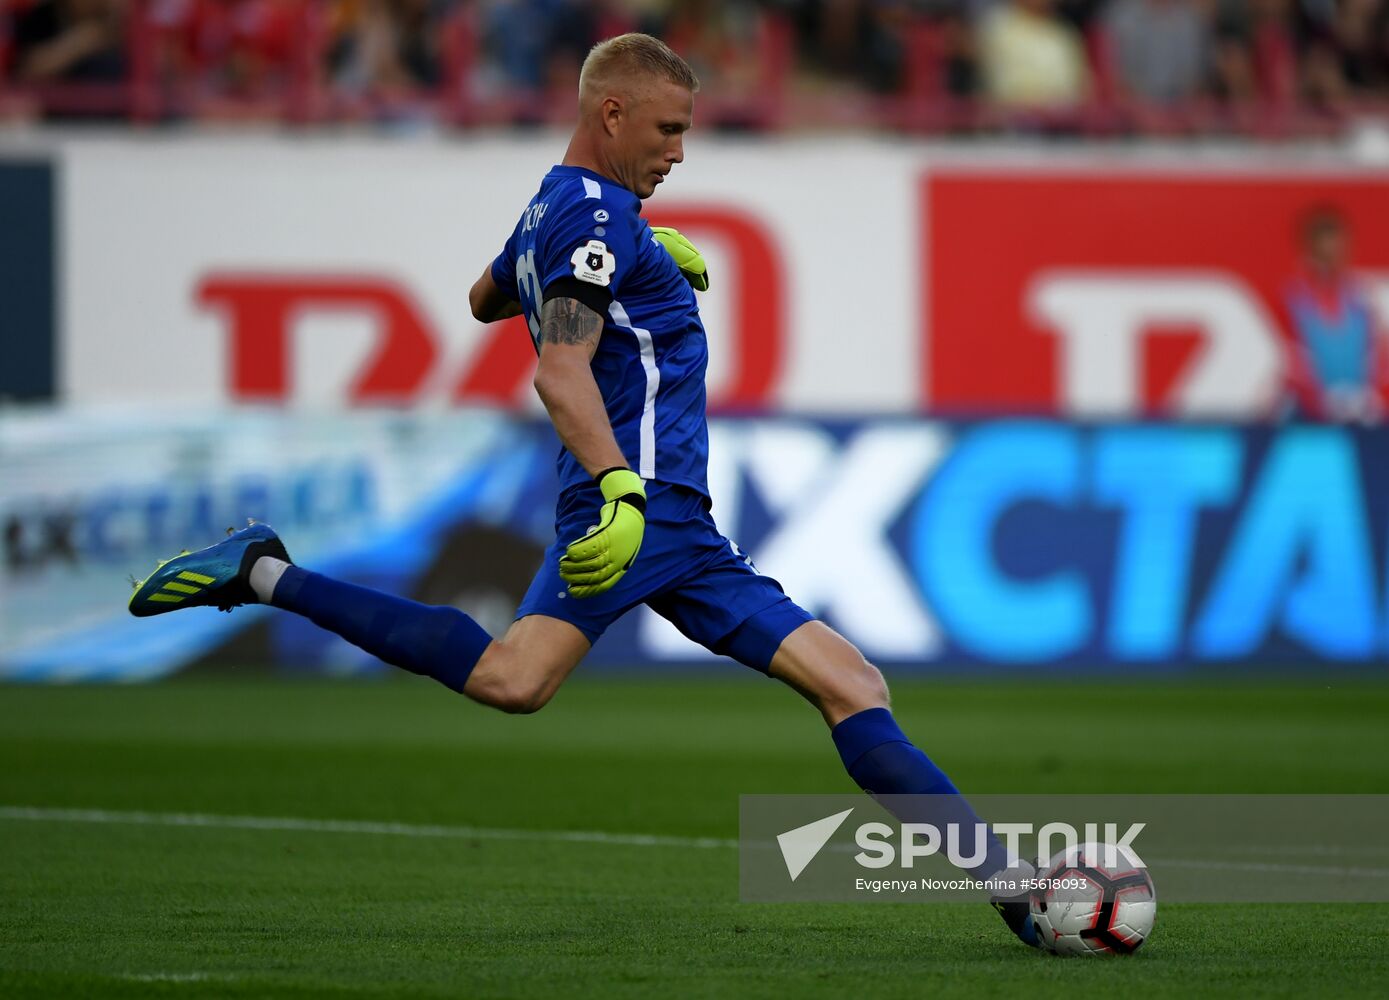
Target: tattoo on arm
point(569, 321)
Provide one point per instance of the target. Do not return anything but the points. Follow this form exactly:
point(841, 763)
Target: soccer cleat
point(1017, 914)
point(217, 576)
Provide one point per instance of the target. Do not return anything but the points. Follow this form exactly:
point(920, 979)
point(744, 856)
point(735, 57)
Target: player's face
point(652, 139)
point(1328, 248)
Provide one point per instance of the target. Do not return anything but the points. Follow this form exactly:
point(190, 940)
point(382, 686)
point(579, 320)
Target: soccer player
point(622, 356)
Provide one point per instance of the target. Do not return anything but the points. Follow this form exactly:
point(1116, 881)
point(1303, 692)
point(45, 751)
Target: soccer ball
point(1085, 907)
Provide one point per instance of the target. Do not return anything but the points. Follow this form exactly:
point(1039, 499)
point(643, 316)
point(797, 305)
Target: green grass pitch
point(116, 909)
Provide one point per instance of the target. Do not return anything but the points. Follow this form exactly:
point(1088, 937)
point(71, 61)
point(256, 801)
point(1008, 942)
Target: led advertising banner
point(931, 545)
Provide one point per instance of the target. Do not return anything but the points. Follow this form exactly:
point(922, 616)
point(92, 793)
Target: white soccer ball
point(1094, 902)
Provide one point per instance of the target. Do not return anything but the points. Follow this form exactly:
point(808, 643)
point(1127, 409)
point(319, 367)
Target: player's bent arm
point(569, 332)
point(489, 303)
point(593, 564)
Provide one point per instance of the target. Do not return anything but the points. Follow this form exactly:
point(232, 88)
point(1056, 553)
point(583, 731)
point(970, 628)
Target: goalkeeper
point(622, 355)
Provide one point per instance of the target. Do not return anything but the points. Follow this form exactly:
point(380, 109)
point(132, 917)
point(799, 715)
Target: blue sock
point(442, 643)
point(880, 758)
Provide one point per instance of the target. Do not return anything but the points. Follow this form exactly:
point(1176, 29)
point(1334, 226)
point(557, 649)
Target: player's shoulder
point(577, 193)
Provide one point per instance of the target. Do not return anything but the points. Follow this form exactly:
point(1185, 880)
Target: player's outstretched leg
point(251, 566)
point(852, 696)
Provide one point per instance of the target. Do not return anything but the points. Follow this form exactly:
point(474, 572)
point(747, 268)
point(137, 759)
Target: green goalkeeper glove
point(687, 258)
point(594, 563)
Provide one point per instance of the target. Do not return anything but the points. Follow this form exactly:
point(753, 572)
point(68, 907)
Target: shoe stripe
point(166, 598)
point(181, 588)
point(197, 578)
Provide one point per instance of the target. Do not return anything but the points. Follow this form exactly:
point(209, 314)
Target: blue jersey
point(1339, 342)
point(582, 236)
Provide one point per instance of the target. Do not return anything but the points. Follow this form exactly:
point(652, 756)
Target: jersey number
point(528, 284)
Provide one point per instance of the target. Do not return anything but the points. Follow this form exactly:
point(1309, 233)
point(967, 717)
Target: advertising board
point(1022, 544)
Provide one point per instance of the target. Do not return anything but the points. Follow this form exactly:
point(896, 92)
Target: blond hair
point(634, 54)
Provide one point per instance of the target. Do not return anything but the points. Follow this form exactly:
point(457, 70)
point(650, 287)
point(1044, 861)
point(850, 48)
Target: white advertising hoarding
point(850, 276)
point(352, 251)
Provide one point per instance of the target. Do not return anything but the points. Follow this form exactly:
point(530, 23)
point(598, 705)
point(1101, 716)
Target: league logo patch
point(594, 263)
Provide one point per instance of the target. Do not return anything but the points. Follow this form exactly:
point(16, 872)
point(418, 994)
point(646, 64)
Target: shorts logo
point(601, 215)
point(594, 263)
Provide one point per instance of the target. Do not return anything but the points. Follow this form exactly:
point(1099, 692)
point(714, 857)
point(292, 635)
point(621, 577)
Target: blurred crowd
point(186, 56)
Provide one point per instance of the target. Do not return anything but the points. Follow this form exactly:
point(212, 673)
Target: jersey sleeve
point(504, 269)
point(584, 251)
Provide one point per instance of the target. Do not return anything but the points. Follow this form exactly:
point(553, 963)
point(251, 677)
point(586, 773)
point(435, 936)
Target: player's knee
point(875, 686)
point(853, 685)
point(517, 695)
point(507, 686)
point(830, 672)
point(522, 701)
point(515, 699)
point(863, 686)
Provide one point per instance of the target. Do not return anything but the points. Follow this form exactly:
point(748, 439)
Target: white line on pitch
point(370, 827)
point(297, 824)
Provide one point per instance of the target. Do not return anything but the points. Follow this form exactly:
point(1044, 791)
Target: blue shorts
point(686, 572)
